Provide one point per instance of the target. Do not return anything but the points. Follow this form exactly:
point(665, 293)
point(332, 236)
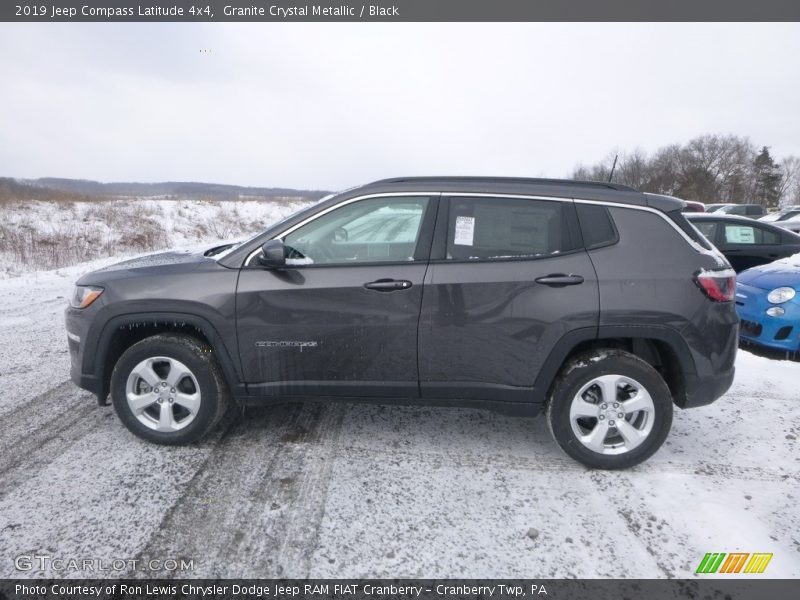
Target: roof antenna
point(614, 166)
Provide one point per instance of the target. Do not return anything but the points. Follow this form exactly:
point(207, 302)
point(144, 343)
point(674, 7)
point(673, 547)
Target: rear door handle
point(560, 280)
point(388, 285)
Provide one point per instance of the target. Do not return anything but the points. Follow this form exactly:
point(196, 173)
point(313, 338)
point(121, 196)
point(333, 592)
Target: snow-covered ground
point(319, 490)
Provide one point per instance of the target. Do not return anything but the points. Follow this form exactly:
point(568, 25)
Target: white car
point(784, 214)
point(792, 224)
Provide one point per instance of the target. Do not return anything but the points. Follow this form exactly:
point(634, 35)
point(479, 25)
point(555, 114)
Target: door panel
point(320, 331)
point(341, 318)
point(487, 325)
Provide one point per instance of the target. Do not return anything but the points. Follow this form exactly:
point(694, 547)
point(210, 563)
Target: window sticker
point(739, 235)
point(465, 231)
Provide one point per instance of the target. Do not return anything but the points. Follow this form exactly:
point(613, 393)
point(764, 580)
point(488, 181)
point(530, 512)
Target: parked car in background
point(714, 207)
point(792, 224)
point(752, 211)
point(768, 304)
point(784, 214)
point(744, 242)
point(692, 206)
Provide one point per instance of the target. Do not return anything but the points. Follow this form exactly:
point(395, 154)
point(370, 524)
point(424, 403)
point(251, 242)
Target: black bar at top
point(398, 10)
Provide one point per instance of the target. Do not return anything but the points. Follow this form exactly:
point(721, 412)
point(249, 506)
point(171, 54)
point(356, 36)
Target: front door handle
point(388, 285)
point(560, 280)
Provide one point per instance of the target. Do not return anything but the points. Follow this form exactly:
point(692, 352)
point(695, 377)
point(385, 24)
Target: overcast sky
point(332, 105)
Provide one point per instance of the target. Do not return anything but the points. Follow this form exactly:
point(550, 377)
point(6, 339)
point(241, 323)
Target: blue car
point(768, 304)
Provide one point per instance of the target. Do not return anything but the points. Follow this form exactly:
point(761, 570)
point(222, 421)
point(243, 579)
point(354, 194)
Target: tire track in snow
point(466, 460)
point(657, 537)
point(255, 507)
point(37, 431)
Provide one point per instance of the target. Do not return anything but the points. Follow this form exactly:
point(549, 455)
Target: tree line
point(708, 168)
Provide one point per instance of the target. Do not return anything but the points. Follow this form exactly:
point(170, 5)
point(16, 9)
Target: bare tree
point(597, 172)
point(632, 169)
point(708, 168)
point(790, 183)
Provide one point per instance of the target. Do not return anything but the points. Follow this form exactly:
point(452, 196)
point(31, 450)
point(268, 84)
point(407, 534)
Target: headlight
point(781, 295)
point(84, 295)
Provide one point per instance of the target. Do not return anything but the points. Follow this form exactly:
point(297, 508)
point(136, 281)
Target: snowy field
point(47, 235)
point(318, 490)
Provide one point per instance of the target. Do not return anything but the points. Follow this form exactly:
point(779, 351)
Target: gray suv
point(596, 303)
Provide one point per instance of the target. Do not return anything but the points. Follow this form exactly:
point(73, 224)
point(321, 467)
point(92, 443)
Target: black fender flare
point(97, 363)
point(569, 341)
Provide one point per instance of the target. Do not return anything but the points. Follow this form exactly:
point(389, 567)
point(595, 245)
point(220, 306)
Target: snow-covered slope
point(39, 235)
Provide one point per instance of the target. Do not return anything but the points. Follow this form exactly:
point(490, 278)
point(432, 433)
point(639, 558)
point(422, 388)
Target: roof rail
point(511, 180)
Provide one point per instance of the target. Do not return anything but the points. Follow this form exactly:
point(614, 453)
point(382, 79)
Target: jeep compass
point(597, 304)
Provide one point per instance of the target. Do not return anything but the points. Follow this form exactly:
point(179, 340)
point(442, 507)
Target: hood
point(784, 272)
point(150, 264)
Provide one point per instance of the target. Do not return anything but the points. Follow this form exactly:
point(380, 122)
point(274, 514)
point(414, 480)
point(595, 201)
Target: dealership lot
point(319, 490)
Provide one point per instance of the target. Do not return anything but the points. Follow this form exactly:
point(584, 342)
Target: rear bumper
point(705, 390)
point(713, 340)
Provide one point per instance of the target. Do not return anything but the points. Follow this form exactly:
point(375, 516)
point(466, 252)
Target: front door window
point(366, 231)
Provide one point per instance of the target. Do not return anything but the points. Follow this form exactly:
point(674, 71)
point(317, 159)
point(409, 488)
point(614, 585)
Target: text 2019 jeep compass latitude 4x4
point(596, 302)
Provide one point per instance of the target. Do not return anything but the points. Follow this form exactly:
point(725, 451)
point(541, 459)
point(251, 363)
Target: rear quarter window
point(596, 224)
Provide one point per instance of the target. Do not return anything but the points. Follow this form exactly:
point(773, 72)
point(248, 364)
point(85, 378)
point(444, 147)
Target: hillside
point(59, 189)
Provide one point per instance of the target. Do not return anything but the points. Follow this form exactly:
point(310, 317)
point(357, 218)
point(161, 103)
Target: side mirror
point(273, 254)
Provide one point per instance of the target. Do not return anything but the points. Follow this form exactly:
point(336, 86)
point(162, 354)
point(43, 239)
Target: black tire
point(582, 370)
point(198, 358)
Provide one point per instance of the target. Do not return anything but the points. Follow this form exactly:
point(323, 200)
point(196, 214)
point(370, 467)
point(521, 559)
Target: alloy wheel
point(163, 394)
point(612, 414)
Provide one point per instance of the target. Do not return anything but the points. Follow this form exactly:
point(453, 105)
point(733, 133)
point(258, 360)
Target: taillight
point(720, 286)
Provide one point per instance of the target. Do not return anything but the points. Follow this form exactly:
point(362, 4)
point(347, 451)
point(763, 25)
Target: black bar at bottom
point(399, 589)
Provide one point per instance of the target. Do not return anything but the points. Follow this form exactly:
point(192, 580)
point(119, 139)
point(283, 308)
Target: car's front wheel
point(168, 389)
point(609, 409)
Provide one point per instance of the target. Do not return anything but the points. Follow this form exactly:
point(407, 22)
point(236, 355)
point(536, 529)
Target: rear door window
point(488, 228)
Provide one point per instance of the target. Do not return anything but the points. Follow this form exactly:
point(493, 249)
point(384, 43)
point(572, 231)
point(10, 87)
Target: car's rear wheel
point(168, 389)
point(609, 409)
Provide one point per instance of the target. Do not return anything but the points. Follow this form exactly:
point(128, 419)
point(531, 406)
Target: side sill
point(520, 409)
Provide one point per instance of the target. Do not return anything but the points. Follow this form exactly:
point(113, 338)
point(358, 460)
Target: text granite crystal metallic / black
point(597, 303)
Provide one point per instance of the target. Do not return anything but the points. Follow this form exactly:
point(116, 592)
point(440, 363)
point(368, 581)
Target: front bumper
point(757, 327)
point(77, 323)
